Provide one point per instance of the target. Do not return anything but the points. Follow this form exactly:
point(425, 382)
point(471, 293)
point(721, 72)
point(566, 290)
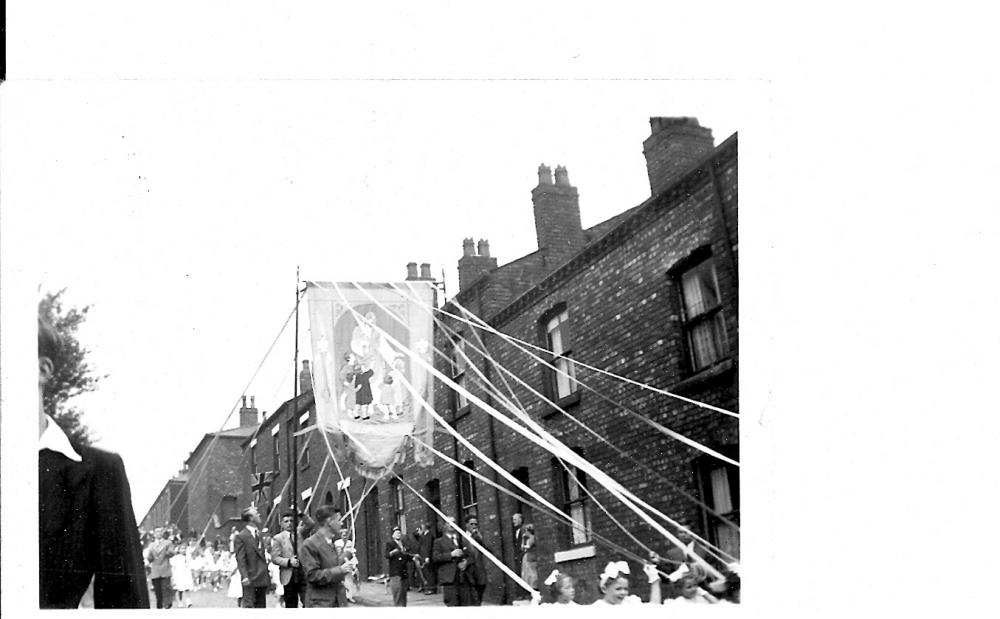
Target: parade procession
point(560, 427)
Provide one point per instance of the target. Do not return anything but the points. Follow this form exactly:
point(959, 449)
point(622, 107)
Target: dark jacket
point(250, 558)
point(87, 529)
point(447, 565)
point(324, 577)
point(398, 561)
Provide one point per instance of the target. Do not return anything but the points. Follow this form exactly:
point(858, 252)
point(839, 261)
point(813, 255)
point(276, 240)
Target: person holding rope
point(324, 566)
point(614, 584)
point(451, 559)
point(251, 561)
point(290, 569)
point(475, 573)
point(400, 558)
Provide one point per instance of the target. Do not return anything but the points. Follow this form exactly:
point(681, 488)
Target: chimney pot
point(468, 247)
point(425, 271)
point(244, 401)
point(544, 175)
point(484, 248)
point(411, 270)
point(562, 177)
point(252, 404)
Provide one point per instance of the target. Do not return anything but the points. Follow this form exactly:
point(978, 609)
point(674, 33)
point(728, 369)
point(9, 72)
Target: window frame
point(704, 465)
point(457, 370)
point(713, 316)
point(567, 351)
point(467, 509)
point(398, 505)
point(276, 448)
point(567, 502)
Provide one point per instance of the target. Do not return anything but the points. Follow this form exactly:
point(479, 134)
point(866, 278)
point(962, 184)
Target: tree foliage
point(73, 375)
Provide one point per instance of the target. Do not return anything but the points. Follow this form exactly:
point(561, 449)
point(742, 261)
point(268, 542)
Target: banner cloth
point(363, 385)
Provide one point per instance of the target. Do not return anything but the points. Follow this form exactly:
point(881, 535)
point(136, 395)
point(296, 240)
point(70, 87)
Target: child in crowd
point(562, 588)
point(615, 585)
point(181, 579)
point(197, 563)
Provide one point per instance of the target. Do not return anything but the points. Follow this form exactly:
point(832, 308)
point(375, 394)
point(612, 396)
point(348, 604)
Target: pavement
point(369, 594)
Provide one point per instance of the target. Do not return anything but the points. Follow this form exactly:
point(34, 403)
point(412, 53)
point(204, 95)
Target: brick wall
point(218, 471)
point(625, 316)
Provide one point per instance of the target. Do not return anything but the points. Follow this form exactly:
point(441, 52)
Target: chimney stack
point(305, 378)
point(674, 146)
point(425, 271)
point(472, 266)
point(557, 216)
point(248, 416)
point(411, 271)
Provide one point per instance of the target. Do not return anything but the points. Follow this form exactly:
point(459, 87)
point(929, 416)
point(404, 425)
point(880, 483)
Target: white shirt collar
point(55, 439)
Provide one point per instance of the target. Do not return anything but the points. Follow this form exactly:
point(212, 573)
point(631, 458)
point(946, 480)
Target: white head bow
point(678, 573)
point(614, 570)
point(551, 580)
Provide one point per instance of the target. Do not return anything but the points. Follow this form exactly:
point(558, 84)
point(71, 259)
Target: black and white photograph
point(434, 306)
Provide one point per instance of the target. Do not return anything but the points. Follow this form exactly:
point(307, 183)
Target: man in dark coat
point(451, 559)
point(426, 549)
point(248, 547)
point(475, 573)
point(324, 567)
point(87, 535)
point(400, 557)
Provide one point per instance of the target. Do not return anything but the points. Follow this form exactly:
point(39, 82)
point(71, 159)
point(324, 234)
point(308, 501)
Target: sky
point(172, 164)
point(180, 213)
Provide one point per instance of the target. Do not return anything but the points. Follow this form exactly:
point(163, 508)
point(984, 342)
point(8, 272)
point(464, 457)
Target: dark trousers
point(398, 586)
point(163, 592)
point(430, 577)
point(254, 597)
point(294, 594)
point(459, 594)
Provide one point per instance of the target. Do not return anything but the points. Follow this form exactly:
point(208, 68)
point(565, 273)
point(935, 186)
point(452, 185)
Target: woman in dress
point(529, 560)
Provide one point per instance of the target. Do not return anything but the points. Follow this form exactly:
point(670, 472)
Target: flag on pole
point(259, 483)
point(368, 388)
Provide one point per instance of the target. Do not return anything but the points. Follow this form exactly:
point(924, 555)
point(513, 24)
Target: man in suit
point(450, 557)
point(426, 549)
point(87, 536)
point(324, 566)
point(283, 555)
point(475, 573)
point(518, 551)
point(400, 558)
point(248, 547)
point(158, 555)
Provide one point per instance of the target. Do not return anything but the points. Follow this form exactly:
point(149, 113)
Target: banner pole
point(295, 435)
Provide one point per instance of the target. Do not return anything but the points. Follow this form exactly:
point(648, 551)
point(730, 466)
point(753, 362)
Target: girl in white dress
point(562, 588)
point(614, 586)
point(181, 578)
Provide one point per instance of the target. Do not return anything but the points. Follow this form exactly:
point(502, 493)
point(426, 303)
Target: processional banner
point(370, 392)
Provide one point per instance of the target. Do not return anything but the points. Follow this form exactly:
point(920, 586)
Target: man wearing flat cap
point(400, 555)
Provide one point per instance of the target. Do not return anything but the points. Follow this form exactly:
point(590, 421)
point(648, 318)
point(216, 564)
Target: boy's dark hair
point(325, 512)
point(49, 342)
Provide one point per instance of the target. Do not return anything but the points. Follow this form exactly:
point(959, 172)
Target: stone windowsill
point(573, 554)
